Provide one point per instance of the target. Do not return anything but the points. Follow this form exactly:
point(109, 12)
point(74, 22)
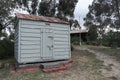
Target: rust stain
point(40, 18)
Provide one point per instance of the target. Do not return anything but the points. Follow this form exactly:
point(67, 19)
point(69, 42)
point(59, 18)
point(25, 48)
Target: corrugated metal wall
point(30, 41)
point(33, 41)
point(16, 41)
point(61, 41)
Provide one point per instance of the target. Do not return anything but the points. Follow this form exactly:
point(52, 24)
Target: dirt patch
point(83, 59)
point(111, 67)
point(110, 62)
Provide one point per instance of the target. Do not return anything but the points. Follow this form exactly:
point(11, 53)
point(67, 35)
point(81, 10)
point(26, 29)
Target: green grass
point(107, 50)
point(85, 67)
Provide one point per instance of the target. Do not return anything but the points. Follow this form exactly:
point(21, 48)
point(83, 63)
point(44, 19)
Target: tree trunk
point(117, 8)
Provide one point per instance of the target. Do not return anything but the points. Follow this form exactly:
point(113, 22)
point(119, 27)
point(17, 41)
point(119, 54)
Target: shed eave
point(43, 21)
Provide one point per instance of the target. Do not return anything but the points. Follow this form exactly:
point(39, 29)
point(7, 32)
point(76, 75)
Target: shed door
point(47, 44)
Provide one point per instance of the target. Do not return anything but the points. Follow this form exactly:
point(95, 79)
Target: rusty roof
point(40, 18)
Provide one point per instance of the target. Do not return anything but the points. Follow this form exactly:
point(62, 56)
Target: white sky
point(81, 10)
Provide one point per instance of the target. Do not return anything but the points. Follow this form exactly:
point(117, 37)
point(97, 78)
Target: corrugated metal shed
point(40, 39)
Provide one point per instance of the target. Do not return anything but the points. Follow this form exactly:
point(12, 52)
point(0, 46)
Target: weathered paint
point(36, 41)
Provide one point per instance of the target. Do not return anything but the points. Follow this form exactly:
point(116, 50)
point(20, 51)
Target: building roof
point(40, 18)
point(78, 31)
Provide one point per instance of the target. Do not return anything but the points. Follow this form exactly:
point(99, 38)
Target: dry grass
point(85, 67)
point(115, 52)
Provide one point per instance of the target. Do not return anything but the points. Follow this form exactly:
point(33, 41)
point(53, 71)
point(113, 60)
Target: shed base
point(45, 67)
point(18, 65)
point(14, 70)
point(56, 66)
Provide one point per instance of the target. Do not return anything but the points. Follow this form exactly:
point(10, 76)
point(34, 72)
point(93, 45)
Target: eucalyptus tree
point(54, 8)
point(6, 6)
point(99, 15)
point(66, 8)
point(116, 14)
point(47, 8)
point(103, 13)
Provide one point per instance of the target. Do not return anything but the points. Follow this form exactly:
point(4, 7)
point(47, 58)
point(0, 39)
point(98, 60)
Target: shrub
point(75, 40)
point(6, 48)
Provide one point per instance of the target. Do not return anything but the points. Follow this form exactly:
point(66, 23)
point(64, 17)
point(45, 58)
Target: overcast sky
point(81, 10)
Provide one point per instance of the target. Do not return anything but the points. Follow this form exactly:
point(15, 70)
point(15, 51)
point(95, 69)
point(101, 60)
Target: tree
point(50, 8)
point(66, 8)
point(100, 13)
point(115, 9)
point(112, 39)
point(37, 7)
point(77, 24)
point(29, 5)
point(6, 6)
point(47, 8)
point(6, 45)
point(74, 23)
point(34, 7)
point(104, 12)
point(61, 10)
point(92, 33)
point(44, 8)
point(6, 48)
